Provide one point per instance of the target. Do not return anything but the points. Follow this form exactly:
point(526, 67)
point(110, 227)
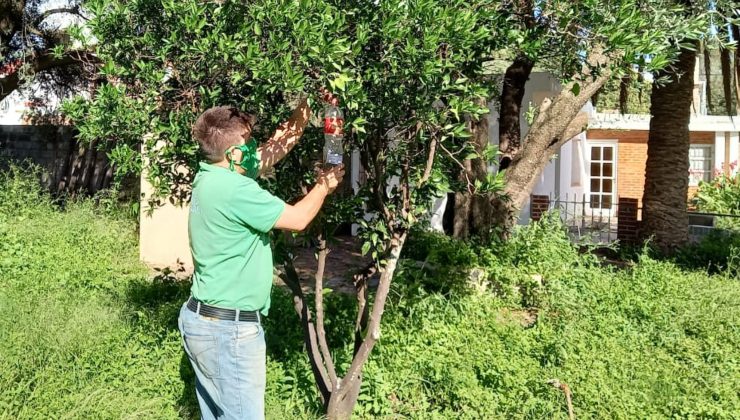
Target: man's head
point(220, 128)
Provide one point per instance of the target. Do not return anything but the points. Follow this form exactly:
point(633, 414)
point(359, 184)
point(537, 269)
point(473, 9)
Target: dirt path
point(343, 261)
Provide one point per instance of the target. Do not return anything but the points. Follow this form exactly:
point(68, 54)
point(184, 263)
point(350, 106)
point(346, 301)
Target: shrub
point(718, 252)
point(652, 341)
point(516, 269)
point(720, 195)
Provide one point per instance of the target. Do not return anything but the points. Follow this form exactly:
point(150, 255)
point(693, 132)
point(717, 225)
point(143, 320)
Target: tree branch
point(42, 62)
point(319, 298)
point(290, 277)
point(361, 286)
point(430, 162)
point(377, 312)
point(41, 17)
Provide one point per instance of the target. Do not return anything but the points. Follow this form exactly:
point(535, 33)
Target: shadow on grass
point(154, 307)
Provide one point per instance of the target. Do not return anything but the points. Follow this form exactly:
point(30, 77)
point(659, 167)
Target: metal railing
point(702, 224)
point(586, 221)
point(597, 223)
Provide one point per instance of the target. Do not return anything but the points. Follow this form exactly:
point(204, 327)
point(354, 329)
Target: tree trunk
point(726, 80)
point(708, 73)
point(339, 395)
point(736, 35)
point(624, 93)
point(666, 175)
point(341, 406)
point(473, 210)
point(510, 114)
point(557, 121)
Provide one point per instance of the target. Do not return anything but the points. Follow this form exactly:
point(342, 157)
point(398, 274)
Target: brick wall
point(632, 158)
point(627, 221)
point(539, 205)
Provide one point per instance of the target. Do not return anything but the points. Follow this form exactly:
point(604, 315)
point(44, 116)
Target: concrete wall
point(163, 234)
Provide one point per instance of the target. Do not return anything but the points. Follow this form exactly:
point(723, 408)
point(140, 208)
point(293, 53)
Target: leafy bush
point(718, 252)
point(720, 195)
point(516, 269)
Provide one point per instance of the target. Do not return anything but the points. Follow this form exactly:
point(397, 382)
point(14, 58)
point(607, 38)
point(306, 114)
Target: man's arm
point(285, 137)
point(298, 216)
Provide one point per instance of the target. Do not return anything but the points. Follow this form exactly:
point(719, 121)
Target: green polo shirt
point(230, 217)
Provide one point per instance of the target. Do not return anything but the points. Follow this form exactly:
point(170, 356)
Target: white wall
point(720, 151)
point(566, 172)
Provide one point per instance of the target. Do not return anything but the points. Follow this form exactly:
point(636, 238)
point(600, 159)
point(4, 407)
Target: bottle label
point(333, 158)
point(333, 126)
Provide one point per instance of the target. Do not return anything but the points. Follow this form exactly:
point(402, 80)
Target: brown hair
point(219, 128)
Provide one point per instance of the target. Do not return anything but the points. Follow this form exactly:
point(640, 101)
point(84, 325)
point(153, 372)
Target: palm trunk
point(727, 79)
point(666, 175)
point(624, 93)
point(736, 35)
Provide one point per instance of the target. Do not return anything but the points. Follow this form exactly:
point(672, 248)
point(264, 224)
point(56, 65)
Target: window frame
point(710, 160)
point(614, 143)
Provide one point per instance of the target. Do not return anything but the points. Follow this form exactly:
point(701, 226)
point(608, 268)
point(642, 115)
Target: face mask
point(249, 162)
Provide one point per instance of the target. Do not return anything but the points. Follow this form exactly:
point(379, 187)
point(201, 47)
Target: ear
point(236, 154)
point(233, 154)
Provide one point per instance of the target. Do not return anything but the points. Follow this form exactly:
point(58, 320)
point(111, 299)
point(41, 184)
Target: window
point(700, 163)
point(602, 176)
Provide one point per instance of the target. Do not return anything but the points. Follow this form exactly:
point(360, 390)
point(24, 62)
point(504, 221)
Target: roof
point(615, 121)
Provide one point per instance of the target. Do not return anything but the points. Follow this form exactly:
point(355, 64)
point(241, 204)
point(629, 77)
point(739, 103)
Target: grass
point(88, 333)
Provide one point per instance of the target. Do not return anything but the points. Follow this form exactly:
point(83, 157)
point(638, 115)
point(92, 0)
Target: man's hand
point(328, 97)
point(331, 178)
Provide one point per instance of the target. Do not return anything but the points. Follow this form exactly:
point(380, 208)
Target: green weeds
point(88, 333)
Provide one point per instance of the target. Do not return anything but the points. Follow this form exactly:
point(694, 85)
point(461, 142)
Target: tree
point(30, 44)
point(665, 216)
point(407, 74)
point(666, 180)
point(585, 45)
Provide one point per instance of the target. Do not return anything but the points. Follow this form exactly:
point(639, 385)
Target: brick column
point(539, 205)
point(627, 225)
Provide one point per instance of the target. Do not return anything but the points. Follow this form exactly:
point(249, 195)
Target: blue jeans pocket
point(248, 332)
point(203, 350)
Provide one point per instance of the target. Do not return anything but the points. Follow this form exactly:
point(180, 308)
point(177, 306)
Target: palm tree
point(665, 216)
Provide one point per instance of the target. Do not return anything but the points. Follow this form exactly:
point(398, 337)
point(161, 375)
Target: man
point(229, 225)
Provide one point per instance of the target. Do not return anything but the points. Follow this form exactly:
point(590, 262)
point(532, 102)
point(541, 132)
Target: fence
point(588, 222)
point(702, 224)
point(599, 222)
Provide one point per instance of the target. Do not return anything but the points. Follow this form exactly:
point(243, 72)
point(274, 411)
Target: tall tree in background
point(30, 43)
point(36, 50)
point(665, 217)
point(474, 212)
point(585, 45)
point(666, 174)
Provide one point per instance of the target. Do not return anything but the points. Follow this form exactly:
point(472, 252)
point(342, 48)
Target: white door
point(602, 194)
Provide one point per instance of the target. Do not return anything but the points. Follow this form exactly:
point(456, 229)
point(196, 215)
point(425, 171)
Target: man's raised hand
point(331, 177)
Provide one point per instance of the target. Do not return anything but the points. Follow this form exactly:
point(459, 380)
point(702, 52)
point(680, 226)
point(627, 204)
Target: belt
point(222, 313)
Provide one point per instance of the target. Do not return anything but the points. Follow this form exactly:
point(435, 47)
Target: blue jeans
point(229, 362)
